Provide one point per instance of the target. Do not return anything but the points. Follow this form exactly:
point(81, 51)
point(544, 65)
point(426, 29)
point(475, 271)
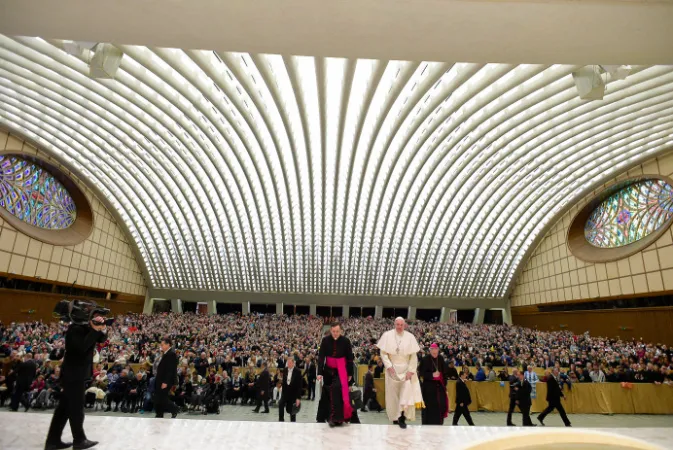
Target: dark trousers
point(70, 408)
point(114, 397)
point(512, 405)
point(311, 390)
point(19, 396)
point(462, 411)
point(559, 407)
point(286, 404)
point(162, 403)
point(259, 402)
point(525, 412)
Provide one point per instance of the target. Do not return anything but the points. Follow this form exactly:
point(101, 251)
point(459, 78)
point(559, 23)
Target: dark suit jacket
point(462, 393)
point(25, 373)
point(80, 342)
point(310, 371)
point(263, 384)
point(554, 392)
point(378, 371)
point(513, 385)
point(523, 394)
point(369, 385)
point(452, 373)
point(292, 391)
point(167, 371)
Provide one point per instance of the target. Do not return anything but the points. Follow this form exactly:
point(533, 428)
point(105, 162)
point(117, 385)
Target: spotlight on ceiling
point(105, 61)
point(76, 48)
point(617, 72)
point(589, 83)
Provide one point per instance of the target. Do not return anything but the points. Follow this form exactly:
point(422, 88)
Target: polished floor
point(237, 427)
point(131, 433)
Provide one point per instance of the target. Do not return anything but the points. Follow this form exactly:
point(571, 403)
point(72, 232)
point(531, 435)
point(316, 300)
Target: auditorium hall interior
point(353, 224)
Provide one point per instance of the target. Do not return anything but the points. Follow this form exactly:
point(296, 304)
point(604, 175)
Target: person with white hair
point(399, 350)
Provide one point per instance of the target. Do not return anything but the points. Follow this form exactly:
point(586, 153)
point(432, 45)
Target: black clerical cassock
point(335, 364)
point(434, 390)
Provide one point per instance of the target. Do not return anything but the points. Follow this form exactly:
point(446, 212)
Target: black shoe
point(174, 415)
point(60, 446)
point(363, 410)
point(255, 410)
point(331, 424)
point(569, 425)
point(265, 412)
point(84, 444)
point(108, 409)
point(402, 422)
point(511, 424)
point(541, 422)
point(158, 417)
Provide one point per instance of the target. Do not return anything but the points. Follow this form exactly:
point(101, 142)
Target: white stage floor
point(19, 431)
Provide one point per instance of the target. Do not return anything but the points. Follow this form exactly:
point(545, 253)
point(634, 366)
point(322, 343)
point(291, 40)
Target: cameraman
point(77, 368)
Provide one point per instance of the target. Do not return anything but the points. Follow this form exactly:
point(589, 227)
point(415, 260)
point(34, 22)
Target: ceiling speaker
point(105, 61)
point(589, 83)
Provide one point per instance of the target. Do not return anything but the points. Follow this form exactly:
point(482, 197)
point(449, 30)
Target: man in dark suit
point(463, 400)
point(310, 372)
point(554, 395)
point(262, 385)
point(378, 372)
point(167, 373)
point(451, 371)
point(25, 374)
point(369, 394)
point(77, 368)
point(523, 400)
point(513, 395)
point(291, 393)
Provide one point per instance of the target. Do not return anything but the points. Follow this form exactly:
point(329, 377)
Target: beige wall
point(553, 274)
point(103, 261)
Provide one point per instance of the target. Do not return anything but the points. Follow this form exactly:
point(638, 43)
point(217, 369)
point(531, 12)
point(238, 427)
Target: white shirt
point(289, 375)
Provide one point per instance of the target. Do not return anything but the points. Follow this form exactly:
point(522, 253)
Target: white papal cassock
point(399, 352)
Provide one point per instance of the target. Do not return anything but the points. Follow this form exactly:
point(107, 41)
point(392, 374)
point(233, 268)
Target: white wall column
point(245, 308)
point(148, 307)
point(346, 311)
point(479, 315)
point(279, 308)
point(312, 309)
point(411, 314)
point(507, 314)
point(212, 307)
point(378, 312)
point(176, 305)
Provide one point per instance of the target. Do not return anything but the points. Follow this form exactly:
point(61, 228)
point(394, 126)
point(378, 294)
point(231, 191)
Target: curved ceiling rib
point(269, 173)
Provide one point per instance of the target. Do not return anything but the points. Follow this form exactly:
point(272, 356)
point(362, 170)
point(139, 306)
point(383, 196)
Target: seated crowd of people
point(220, 356)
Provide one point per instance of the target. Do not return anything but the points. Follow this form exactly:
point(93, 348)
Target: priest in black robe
point(335, 372)
point(434, 372)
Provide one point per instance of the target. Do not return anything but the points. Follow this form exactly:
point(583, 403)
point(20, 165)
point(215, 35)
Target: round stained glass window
point(630, 214)
point(32, 194)
point(625, 218)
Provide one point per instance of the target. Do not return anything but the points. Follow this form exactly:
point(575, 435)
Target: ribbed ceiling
point(268, 173)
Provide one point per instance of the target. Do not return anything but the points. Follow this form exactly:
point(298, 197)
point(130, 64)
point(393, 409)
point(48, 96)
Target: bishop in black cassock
point(434, 372)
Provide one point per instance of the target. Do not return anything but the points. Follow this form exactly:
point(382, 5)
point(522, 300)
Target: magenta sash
point(340, 365)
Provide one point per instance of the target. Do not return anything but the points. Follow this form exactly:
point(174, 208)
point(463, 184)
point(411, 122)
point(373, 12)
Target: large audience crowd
point(218, 352)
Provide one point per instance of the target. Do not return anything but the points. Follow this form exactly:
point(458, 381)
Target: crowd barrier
point(585, 398)
point(362, 370)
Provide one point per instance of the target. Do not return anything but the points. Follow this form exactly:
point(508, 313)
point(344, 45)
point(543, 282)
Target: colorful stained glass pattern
point(630, 214)
point(33, 195)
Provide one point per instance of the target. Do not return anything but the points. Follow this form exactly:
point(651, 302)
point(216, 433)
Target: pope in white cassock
point(403, 390)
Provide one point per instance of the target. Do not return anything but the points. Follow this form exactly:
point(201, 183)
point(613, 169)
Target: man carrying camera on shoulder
point(76, 370)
